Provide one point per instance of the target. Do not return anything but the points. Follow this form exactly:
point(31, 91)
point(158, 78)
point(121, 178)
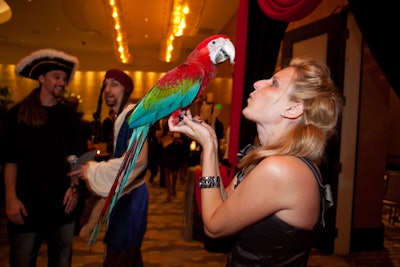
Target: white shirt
point(101, 175)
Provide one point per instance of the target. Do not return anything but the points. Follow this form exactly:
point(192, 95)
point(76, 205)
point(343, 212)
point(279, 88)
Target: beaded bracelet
point(209, 182)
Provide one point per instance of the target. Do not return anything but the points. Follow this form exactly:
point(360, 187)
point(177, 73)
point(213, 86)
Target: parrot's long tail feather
point(134, 151)
point(102, 218)
point(135, 145)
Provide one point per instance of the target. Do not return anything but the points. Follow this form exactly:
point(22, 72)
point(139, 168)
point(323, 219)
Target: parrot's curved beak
point(226, 50)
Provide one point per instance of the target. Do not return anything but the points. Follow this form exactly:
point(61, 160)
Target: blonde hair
point(313, 87)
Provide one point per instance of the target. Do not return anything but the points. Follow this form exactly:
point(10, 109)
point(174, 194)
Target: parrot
point(174, 91)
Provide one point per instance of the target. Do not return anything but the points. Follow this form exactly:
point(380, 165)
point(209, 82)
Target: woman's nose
point(259, 84)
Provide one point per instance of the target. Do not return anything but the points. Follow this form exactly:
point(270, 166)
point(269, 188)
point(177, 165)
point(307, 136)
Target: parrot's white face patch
point(220, 50)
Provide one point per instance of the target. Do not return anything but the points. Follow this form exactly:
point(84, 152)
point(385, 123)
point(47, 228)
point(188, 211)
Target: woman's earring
point(283, 114)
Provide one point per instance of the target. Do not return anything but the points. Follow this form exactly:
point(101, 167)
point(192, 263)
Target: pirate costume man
point(127, 223)
point(40, 133)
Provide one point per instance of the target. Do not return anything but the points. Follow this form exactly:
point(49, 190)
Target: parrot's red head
point(216, 48)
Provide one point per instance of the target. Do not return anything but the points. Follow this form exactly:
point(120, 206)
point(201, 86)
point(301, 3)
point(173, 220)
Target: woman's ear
point(295, 111)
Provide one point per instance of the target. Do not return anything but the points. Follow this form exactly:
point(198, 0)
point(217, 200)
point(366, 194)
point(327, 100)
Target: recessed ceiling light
point(92, 32)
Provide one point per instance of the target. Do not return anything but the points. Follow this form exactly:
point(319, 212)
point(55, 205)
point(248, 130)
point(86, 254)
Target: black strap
point(325, 190)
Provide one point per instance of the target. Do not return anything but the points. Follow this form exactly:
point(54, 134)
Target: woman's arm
point(212, 193)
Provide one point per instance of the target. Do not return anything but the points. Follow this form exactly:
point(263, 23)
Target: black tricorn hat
point(45, 60)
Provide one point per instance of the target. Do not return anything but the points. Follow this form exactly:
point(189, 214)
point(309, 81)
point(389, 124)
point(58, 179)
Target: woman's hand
point(195, 128)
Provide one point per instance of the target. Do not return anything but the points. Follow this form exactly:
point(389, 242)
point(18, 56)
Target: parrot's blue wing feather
point(145, 114)
point(167, 96)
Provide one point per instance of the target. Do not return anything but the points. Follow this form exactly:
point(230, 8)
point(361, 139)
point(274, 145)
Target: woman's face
point(270, 98)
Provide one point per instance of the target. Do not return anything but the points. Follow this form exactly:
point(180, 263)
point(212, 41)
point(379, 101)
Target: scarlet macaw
point(175, 90)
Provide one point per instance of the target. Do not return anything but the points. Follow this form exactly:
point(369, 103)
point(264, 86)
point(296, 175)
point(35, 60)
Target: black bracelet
point(209, 182)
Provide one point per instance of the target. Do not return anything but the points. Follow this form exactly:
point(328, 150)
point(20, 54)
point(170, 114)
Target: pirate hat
point(122, 77)
point(45, 60)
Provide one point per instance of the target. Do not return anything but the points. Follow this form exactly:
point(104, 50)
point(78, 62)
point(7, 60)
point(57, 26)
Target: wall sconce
point(121, 45)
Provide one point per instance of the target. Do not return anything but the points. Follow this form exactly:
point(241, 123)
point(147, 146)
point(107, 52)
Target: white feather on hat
point(45, 60)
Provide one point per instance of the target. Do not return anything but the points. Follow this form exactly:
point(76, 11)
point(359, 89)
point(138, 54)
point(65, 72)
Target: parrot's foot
point(178, 120)
point(177, 117)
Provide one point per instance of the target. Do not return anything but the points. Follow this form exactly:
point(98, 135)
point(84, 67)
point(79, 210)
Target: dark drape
point(258, 41)
point(263, 44)
point(379, 28)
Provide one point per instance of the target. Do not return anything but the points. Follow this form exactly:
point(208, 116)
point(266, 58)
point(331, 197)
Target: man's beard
point(111, 102)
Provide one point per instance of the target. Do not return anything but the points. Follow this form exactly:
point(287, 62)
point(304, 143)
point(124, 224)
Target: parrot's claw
point(176, 121)
point(177, 117)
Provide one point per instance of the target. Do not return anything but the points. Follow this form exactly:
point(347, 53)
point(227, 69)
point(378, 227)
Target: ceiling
point(82, 28)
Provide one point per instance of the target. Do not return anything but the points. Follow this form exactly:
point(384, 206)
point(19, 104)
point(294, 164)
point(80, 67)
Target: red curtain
point(288, 10)
point(238, 81)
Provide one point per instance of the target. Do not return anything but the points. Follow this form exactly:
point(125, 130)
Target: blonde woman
point(274, 203)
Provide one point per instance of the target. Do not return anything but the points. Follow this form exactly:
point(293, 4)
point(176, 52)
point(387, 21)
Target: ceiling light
point(170, 48)
point(121, 44)
point(184, 20)
point(5, 12)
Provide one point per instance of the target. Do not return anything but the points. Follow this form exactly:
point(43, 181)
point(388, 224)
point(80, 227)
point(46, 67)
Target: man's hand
point(71, 199)
point(15, 210)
